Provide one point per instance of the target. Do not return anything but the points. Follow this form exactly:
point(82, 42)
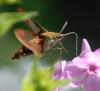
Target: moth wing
point(36, 27)
point(31, 45)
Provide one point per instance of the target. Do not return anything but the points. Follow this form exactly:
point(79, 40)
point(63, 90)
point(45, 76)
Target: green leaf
point(5, 2)
point(7, 20)
point(40, 79)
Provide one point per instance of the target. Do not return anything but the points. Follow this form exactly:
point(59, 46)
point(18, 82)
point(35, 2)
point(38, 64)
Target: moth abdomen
point(21, 52)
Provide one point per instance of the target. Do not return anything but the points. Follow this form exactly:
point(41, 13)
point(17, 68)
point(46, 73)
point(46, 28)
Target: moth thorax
point(50, 35)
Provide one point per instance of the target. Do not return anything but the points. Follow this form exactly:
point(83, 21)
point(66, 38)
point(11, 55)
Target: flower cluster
point(83, 70)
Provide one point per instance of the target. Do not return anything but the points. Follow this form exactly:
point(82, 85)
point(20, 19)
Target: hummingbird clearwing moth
point(42, 40)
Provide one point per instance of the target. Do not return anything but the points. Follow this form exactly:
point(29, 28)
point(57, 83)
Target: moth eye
point(60, 35)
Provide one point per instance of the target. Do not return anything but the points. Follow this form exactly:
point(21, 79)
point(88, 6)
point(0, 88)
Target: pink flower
point(58, 89)
point(84, 69)
point(60, 71)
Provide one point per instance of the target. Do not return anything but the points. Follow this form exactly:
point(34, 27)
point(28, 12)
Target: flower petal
point(97, 53)
point(78, 81)
point(76, 69)
point(85, 45)
point(70, 87)
point(57, 74)
point(59, 71)
point(58, 89)
point(92, 83)
point(97, 72)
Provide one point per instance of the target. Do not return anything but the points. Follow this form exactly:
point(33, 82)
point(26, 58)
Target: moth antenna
point(65, 24)
point(76, 45)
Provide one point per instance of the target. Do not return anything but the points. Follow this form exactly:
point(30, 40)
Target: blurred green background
point(83, 18)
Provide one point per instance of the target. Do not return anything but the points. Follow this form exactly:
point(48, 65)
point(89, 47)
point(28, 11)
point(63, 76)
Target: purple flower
point(60, 72)
point(84, 69)
point(58, 89)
